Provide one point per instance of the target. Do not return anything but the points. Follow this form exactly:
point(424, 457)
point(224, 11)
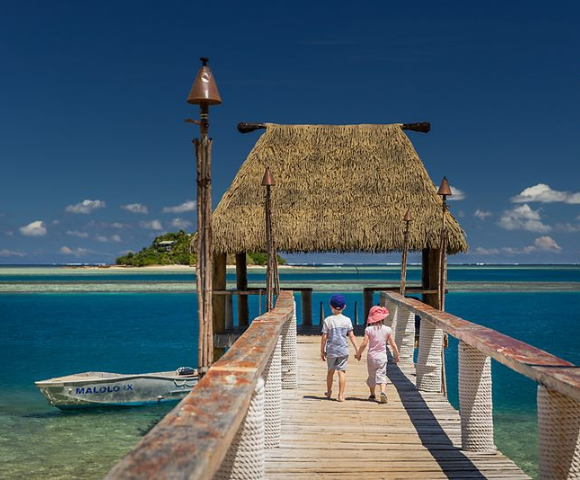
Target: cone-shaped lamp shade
point(204, 90)
point(408, 217)
point(268, 180)
point(444, 188)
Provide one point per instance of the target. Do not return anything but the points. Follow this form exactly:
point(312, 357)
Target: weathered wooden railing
point(558, 390)
point(233, 414)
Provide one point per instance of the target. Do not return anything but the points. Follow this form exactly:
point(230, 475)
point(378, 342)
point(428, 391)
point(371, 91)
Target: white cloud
point(457, 194)
point(105, 239)
point(541, 244)
point(482, 214)
point(135, 208)
point(34, 229)
point(523, 218)
point(547, 244)
point(543, 193)
point(76, 252)
point(567, 227)
point(86, 206)
point(152, 225)
point(487, 251)
point(10, 233)
point(188, 206)
point(180, 223)
point(11, 253)
point(120, 225)
point(75, 233)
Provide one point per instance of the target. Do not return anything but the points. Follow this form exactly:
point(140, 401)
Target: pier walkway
point(260, 411)
point(415, 435)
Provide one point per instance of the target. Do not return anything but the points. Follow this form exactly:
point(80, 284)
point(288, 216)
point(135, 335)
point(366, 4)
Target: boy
point(334, 346)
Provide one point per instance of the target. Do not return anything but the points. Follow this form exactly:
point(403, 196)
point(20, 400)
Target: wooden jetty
point(260, 411)
point(416, 435)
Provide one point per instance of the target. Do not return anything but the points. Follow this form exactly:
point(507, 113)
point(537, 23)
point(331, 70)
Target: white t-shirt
point(337, 328)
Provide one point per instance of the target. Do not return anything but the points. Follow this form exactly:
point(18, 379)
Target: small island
point(174, 248)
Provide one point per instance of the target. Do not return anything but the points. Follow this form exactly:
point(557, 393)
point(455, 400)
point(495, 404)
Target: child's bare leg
point(329, 379)
point(383, 387)
point(341, 385)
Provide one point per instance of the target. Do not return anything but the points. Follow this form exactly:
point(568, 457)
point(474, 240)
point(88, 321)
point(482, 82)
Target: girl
point(376, 337)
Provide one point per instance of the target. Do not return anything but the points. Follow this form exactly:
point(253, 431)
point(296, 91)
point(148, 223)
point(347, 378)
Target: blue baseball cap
point(337, 301)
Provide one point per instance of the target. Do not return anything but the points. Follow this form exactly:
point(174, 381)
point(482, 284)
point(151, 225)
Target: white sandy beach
point(165, 268)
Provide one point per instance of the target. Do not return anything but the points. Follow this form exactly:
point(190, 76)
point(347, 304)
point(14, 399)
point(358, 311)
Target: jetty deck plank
point(416, 435)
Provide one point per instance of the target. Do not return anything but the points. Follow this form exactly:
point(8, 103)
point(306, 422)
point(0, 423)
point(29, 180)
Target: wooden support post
point(229, 313)
point(307, 307)
point(355, 313)
point(368, 303)
point(430, 371)
point(242, 284)
point(219, 301)
point(321, 317)
point(430, 275)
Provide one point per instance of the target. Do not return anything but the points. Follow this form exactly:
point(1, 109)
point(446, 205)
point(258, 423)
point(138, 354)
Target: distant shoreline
point(160, 268)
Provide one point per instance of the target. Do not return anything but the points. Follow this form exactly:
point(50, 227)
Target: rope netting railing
point(558, 390)
point(223, 427)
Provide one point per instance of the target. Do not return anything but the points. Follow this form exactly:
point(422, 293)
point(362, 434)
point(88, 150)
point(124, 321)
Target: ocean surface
point(56, 321)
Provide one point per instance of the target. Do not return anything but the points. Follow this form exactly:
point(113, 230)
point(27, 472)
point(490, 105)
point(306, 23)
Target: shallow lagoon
point(54, 328)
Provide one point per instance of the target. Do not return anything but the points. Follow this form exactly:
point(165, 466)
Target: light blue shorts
point(337, 363)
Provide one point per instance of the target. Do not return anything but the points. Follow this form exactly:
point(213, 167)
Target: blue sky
point(96, 158)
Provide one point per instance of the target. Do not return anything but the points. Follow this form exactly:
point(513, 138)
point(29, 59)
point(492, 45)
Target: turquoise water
point(55, 321)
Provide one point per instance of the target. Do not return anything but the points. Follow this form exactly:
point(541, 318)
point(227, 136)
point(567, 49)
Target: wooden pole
point(272, 280)
point(242, 284)
point(204, 267)
point(269, 264)
point(442, 261)
point(405, 252)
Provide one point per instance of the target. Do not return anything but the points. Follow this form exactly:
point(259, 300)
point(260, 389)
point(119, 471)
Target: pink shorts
point(377, 372)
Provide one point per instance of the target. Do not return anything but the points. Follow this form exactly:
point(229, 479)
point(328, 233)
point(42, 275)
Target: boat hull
point(102, 389)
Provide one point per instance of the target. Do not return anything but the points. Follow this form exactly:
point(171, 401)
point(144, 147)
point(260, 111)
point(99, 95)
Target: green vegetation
point(162, 252)
point(173, 249)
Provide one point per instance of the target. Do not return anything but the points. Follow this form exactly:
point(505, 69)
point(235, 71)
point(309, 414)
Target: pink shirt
point(378, 338)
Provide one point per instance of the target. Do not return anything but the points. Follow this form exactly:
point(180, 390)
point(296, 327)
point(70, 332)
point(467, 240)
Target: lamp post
point(272, 282)
point(444, 191)
point(407, 219)
point(204, 93)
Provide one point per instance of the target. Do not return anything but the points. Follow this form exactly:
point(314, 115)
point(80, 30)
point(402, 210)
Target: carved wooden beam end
point(423, 127)
point(244, 127)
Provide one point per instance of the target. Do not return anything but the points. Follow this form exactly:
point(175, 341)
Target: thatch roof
point(339, 188)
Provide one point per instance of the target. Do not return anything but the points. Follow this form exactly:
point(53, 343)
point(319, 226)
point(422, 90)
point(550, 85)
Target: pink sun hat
point(376, 314)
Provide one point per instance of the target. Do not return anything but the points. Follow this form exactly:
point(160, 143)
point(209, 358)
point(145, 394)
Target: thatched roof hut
point(339, 188)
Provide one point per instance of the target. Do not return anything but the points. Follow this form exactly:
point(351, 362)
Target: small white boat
point(103, 389)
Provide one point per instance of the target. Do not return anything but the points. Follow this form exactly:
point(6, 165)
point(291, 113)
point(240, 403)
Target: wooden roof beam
point(423, 127)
